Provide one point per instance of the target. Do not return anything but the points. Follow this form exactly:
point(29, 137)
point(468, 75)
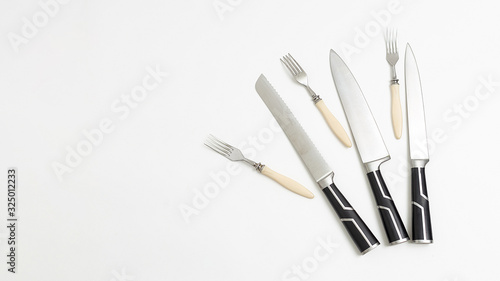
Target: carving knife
point(318, 168)
point(419, 152)
point(370, 145)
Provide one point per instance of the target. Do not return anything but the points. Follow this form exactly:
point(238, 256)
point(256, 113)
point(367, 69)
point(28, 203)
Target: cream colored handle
point(397, 116)
point(334, 124)
point(287, 182)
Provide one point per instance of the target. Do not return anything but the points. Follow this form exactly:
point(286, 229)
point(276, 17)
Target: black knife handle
point(421, 221)
point(355, 226)
point(394, 227)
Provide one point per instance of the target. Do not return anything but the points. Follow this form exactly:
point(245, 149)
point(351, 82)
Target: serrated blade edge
point(307, 151)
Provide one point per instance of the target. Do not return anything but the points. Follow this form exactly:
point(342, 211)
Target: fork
point(392, 58)
point(234, 154)
point(301, 77)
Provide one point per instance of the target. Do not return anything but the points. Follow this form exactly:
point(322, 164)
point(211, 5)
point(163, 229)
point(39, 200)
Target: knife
point(370, 145)
point(419, 152)
point(318, 168)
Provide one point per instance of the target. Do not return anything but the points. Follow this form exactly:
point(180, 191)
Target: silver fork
point(392, 57)
point(391, 48)
point(234, 154)
point(301, 77)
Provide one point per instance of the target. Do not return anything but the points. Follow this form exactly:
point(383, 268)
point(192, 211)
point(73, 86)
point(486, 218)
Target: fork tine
point(228, 146)
point(222, 152)
point(211, 146)
point(291, 64)
point(391, 49)
point(389, 40)
point(296, 63)
point(285, 62)
point(219, 145)
point(392, 40)
point(386, 38)
point(396, 40)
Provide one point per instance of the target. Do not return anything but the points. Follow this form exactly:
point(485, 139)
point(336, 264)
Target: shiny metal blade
point(415, 108)
point(315, 163)
point(371, 146)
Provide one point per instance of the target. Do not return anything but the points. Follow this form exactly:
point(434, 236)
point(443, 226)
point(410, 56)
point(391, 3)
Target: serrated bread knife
point(370, 145)
point(419, 152)
point(318, 168)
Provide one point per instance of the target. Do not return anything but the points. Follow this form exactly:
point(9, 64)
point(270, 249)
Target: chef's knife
point(370, 145)
point(318, 168)
point(419, 153)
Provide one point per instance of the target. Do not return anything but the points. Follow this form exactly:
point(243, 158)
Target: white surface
point(117, 216)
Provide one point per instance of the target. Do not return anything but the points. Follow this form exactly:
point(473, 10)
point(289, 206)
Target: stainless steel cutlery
point(419, 153)
point(234, 154)
point(370, 145)
point(301, 77)
point(318, 168)
point(392, 58)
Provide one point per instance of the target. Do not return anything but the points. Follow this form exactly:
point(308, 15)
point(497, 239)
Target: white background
point(117, 215)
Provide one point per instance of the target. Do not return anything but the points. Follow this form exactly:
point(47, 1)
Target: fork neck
point(250, 162)
point(395, 79)
point(314, 96)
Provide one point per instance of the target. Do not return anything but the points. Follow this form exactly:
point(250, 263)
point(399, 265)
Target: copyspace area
point(106, 105)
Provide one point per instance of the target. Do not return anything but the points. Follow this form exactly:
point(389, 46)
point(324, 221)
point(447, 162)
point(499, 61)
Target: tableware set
point(368, 142)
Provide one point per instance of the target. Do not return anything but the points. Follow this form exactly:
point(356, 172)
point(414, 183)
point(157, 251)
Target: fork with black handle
point(301, 77)
point(234, 154)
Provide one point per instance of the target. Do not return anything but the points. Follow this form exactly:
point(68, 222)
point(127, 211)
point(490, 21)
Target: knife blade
point(419, 152)
point(370, 145)
point(317, 166)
